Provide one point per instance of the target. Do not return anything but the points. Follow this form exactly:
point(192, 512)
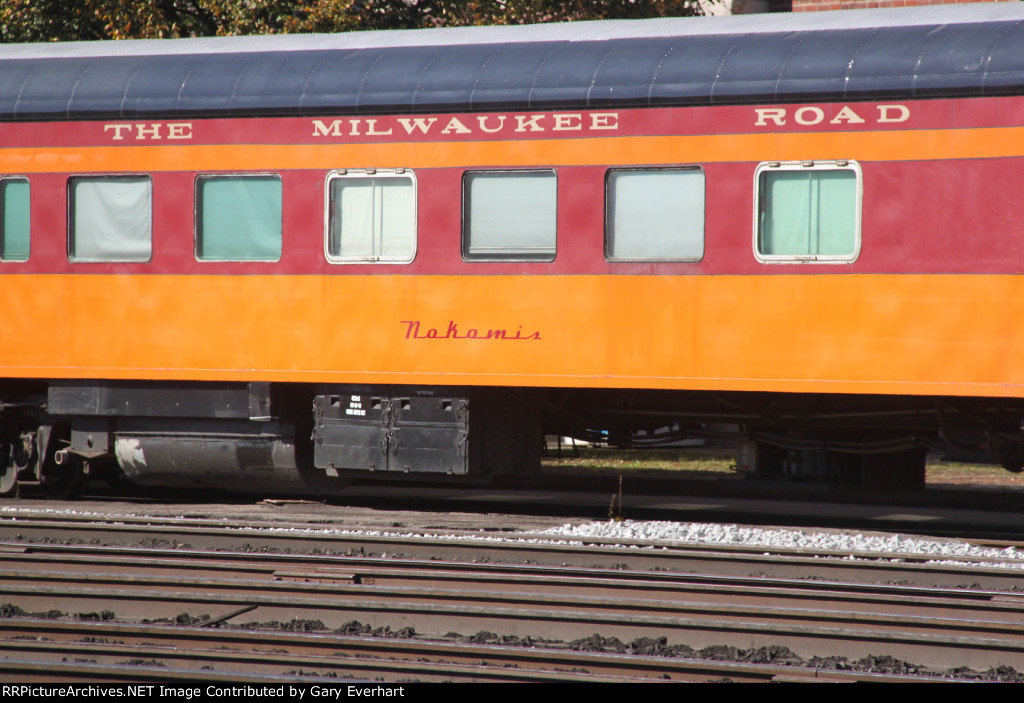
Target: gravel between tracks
point(944, 550)
point(939, 551)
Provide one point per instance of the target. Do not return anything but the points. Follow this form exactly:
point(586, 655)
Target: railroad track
point(444, 608)
point(201, 534)
point(62, 650)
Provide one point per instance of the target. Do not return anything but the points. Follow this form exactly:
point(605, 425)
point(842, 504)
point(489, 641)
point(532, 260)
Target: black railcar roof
point(927, 51)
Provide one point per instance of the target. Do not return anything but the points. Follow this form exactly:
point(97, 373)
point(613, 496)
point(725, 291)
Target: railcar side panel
point(920, 309)
point(794, 327)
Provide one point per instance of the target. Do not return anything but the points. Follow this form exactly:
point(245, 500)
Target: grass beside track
point(704, 463)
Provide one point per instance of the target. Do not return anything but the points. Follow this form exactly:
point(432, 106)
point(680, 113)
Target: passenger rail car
point(277, 263)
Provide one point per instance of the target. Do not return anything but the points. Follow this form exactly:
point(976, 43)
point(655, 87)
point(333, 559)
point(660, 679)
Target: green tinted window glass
point(14, 199)
point(808, 213)
point(238, 218)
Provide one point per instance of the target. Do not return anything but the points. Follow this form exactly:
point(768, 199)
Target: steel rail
point(221, 571)
point(928, 640)
point(180, 649)
point(933, 628)
point(330, 566)
point(632, 554)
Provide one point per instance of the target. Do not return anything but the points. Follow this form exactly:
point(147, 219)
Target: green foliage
point(66, 20)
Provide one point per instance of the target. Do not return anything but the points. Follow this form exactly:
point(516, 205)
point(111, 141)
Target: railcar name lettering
point(413, 331)
point(466, 124)
point(143, 131)
point(835, 115)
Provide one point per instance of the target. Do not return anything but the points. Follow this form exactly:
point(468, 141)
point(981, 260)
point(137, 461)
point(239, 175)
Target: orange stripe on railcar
point(869, 146)
point(828, 333)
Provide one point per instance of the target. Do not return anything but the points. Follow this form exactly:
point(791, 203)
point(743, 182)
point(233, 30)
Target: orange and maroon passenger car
point(277, 263)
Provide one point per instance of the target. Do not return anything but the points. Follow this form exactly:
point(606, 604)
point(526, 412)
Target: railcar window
point(509, 215)
point(238, 218)
point(808, 211)
point(14, 199)
point(654, 214)
point(110, 218)
point(371, 217)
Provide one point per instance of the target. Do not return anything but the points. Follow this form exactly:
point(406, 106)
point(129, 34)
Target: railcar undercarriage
point(304, 438)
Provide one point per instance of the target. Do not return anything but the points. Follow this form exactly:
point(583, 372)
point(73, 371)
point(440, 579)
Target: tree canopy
point(67, 20)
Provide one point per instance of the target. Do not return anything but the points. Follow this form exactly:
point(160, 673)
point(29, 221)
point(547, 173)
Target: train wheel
point(8, 471)
point(17, 458)
point(1009, 454)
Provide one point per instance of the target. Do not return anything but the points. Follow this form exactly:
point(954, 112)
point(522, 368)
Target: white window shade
point(371, 218)
point(655, 215)
point(111, 218)
point(509, 215)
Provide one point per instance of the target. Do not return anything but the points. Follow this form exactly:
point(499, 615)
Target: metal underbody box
point(392, 429)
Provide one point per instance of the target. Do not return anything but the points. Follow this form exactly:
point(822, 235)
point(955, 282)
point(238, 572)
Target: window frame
point(370, 173)
point(819, 165)
point(464, 243)
point(649, 169)
point(70, 219)
point(3, 219)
